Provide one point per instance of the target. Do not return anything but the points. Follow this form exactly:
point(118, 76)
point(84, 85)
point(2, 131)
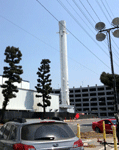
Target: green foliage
point(107, 79)
point(44, 83)
point(12, 74)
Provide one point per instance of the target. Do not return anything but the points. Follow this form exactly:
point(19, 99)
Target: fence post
point(104, 135)
point(114, 138)
point(78, 131)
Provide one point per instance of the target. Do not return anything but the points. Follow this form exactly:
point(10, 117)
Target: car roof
point(107, 119)
point(110, 119)
point(34, 121)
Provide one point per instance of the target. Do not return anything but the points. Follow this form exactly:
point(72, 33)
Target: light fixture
point(99, 26)
point(100, 36)
point(115, 21)
point(116, 33)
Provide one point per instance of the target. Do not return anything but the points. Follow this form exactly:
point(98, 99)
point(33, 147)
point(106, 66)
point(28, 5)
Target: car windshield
point(113, 121)
point(46, 131)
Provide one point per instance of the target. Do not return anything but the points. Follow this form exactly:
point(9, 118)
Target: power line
point(111, 19)
point(103, 11)
point(106, 9)
point(79, 16)
point(93, 10)
point(107, 20)
point(100, 21)
point(73, 35)
point(28, 32)
point(83, 13)
point(80, 25)
point(87, 11)
point(45, 42)
point(109, 9)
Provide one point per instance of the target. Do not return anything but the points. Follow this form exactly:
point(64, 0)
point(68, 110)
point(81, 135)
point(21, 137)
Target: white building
point(26, 99)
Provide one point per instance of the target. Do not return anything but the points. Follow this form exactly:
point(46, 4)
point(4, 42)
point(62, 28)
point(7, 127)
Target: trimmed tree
point(12, 73)
point(107, 79)
point(44, 84)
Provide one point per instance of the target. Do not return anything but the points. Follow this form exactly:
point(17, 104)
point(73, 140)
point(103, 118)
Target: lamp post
point(100, 37)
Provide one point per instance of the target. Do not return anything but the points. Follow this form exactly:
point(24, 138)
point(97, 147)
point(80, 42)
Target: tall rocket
point(63, 63)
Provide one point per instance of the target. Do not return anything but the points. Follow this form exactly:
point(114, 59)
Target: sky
point(32, 26)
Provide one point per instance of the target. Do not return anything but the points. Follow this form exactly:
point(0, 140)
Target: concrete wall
point(22, 85)
point(26, 100)
point(98, 100)
point(54, 103)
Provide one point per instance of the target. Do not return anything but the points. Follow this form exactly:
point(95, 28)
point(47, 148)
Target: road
point(85, 126)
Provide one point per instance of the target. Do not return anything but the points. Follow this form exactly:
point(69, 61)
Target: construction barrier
point(114, 138)
point(78, 131)
point(104, 138)
point(104, 133)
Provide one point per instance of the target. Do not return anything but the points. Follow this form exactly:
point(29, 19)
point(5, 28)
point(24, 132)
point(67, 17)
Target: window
point(6, 131)
point(70, 91)
point(2, 131)
point(84, 90)
point(85, 95)
point(13, 133)
point(77, 91)
point(107, 122)
point(71, 95)
point(101, 89)
point(92, 89)
point(43, 130)
point(92, 94)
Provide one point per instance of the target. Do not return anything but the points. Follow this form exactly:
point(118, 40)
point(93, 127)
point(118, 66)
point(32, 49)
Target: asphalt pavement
point(86, 126)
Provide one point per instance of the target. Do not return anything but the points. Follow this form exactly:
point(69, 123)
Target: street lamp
point(100, 26)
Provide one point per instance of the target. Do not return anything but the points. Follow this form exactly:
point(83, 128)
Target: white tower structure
point(63, 64)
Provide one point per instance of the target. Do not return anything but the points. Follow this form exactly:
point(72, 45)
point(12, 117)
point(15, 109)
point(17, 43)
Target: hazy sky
point(32, 26)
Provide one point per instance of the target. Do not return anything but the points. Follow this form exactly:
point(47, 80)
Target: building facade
point(98, 100)
point(26, 99)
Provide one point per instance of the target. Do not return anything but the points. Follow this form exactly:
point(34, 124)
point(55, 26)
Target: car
point(98, 126)
point(38, 135)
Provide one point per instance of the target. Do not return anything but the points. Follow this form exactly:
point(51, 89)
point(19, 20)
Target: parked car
point(98, 126)
point(38, 135)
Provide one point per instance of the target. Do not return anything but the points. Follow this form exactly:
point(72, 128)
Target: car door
point(100, 125)
point(108, 125)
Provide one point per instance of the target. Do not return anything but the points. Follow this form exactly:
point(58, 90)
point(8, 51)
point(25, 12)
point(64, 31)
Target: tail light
point(78, 143)
point(20, 146)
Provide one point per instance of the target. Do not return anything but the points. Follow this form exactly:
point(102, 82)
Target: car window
point(2, 129)
point(6, 131)
point(13, 133)
point(107, 122)
point(46, 131)
point(113, 121)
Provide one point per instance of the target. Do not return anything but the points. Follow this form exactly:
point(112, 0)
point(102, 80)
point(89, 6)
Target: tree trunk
point(3, 110)
point(43, 107)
